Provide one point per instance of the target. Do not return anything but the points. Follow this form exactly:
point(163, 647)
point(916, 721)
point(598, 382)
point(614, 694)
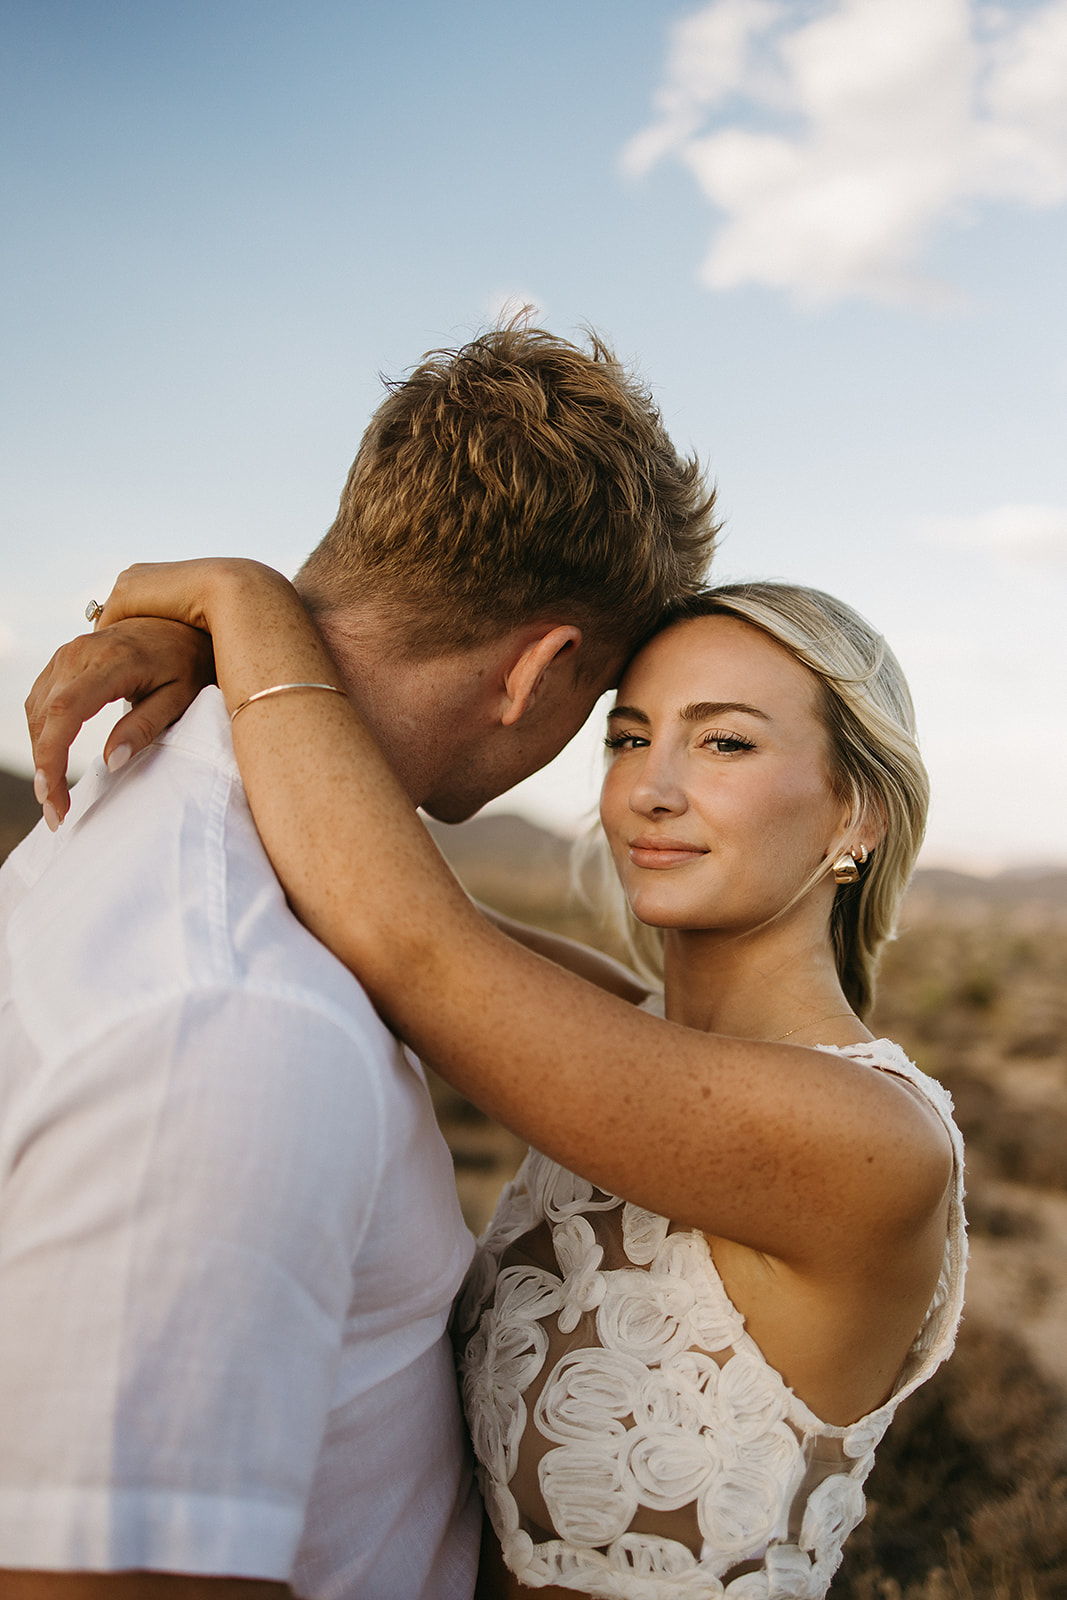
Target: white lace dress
point(632, 1442)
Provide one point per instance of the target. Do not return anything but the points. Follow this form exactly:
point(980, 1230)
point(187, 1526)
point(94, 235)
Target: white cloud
point(1027, 534)
point(835, 137)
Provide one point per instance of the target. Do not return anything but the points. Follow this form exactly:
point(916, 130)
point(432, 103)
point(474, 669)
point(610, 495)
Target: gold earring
point(846, 869)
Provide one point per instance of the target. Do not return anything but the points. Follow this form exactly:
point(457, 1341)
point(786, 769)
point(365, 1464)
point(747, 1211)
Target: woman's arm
point(797, 1153)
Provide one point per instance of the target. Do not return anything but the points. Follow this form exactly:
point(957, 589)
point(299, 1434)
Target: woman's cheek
point(610, 802)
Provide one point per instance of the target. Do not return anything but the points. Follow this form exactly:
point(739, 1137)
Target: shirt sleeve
point(183, 1204)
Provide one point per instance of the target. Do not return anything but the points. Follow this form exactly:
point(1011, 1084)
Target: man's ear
point(525, 678)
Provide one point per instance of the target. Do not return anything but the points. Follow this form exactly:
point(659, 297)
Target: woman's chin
point(651, 909)
point(671, 913)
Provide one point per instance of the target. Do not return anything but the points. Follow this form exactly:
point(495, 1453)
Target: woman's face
point(717, 803)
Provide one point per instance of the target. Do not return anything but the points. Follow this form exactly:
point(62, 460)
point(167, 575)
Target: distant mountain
point(526, 870)
point(19, 811)
point(510, 863)
point(935, 891)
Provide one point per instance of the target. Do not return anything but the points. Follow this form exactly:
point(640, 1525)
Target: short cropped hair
point(875, 765)
point(516, 478)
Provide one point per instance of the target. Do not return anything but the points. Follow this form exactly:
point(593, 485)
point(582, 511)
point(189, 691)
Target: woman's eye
point(624, 741)
point(726, 744)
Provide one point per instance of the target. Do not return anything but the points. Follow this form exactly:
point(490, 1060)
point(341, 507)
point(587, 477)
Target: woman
point(678, 1365)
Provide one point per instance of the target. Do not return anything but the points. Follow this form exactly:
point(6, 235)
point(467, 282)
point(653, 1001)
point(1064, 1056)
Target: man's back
point(228, 1230)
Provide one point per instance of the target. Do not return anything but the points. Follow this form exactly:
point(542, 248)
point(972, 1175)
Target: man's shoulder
point(170, 779)
point(158, 887)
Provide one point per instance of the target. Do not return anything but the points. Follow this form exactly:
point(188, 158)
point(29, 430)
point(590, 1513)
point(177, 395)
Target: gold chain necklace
point(816, 1024)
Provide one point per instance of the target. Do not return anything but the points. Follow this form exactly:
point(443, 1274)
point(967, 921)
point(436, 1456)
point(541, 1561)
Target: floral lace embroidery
point(660, 1405)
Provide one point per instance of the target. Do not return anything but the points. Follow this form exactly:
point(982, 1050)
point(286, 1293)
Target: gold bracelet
point(282, 688)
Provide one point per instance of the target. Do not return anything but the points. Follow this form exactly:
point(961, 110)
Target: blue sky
point(832, 235)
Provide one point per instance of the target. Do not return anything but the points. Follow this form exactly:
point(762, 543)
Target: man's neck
point(419, 711)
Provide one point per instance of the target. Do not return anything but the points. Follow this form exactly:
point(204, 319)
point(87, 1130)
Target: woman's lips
point(663, 852)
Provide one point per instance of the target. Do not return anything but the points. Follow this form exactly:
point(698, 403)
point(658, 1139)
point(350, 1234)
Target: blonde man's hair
point(516, 478)
point(875, 765)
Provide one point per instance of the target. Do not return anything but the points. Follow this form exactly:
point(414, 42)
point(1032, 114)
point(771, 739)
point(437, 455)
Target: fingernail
point(119, 757)
point(51, 815)
point(40, 787)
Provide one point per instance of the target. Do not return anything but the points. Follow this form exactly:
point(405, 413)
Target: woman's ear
point(871, 828)
point(527, 676)
point(865, 831)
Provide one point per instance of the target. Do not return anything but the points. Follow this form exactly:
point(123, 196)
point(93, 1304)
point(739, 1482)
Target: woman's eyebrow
point(631, 713)
point(696, 711)
point(701, 710)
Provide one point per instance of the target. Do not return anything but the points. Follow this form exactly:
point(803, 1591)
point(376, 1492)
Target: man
point(229, 1237)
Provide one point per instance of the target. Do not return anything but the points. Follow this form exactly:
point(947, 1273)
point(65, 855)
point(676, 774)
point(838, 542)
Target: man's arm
point(592, 965)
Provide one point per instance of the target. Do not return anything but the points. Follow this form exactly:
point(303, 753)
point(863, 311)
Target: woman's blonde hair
point(875, 765)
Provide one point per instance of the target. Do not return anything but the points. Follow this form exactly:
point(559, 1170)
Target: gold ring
point(93, 610)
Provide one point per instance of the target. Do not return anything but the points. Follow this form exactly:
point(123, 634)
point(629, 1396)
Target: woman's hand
point(160, 666)
point(152, 646)
point(269, 637)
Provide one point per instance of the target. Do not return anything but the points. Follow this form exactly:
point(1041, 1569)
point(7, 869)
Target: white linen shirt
point(229, 1233)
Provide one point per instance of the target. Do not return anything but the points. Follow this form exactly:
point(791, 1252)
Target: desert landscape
point(969, 1498)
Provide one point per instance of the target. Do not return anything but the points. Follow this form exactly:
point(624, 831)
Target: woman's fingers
point(147, 647)
point(161, 666)
point(144, 722)
point(59, 702)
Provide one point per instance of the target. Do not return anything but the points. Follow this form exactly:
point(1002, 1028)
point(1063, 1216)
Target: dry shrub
point(983, 986)
point(994, 1218)
point(1015, 1142)
point(968, 1500)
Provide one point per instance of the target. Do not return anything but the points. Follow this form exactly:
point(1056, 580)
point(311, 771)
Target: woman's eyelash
point(730, 742)
point(733, 740)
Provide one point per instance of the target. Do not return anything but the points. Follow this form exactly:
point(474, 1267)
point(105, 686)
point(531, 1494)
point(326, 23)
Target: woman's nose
point(658, 786)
